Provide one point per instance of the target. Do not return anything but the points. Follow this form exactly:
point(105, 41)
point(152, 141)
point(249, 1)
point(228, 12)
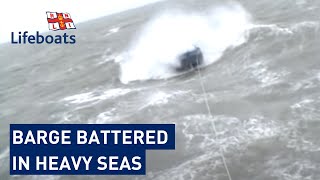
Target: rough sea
point(261, 76)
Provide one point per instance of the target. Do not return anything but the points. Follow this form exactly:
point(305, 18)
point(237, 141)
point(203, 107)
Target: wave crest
point(167, 36)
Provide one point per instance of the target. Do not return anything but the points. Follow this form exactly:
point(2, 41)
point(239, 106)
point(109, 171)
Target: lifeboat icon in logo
point(59, 21)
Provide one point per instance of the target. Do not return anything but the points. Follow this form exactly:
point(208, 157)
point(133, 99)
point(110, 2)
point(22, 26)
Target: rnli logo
point(59, 21)
point(56, 21)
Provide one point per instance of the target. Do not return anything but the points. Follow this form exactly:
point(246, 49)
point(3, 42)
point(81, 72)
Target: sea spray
point(154, 53)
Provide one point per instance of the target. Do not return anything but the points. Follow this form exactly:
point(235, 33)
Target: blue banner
point(85, 149)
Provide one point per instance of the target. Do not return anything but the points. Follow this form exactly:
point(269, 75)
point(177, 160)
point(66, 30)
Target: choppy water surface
point(261, 74)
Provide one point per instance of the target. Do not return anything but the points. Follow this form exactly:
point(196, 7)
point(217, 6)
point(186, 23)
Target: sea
point(260, 80)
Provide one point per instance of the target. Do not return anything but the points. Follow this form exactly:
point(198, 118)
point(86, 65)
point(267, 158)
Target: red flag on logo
point(59, 21)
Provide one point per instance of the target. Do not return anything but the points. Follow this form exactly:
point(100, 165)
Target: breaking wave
point(154, 52)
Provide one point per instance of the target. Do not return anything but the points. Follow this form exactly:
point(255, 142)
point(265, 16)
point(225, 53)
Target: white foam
point(296, 169)
point(278, 29)
point(307, 109)
point(162, 97)
point(108, 57)
point(96, 96)
point(159, 98)
point(104, 117)
point(274, 27)
point(153, 55)
point(234, 135)
point(264, 75)
point(112, 31)
point(232, 132)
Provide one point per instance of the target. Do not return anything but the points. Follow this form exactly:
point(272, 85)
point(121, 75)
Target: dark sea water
point(261, 75)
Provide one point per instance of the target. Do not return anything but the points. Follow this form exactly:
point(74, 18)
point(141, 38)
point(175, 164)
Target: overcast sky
point(30, 15)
